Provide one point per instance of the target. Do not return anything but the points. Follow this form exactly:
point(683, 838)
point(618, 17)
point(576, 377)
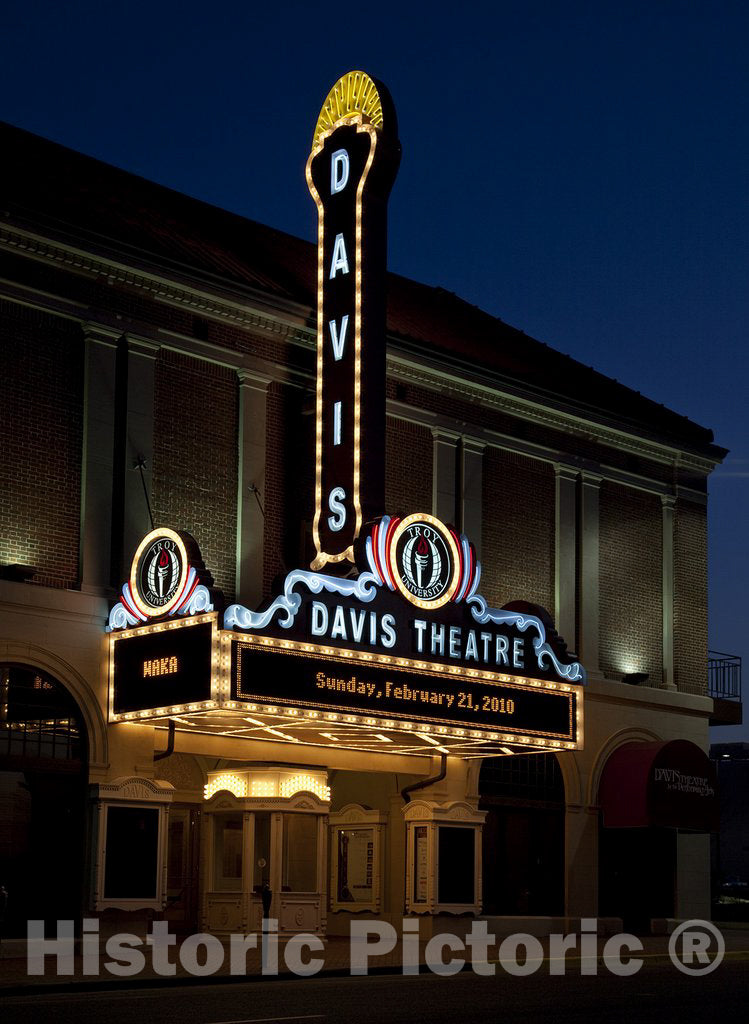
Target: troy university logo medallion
point(424, 561)
point(167, 577)
point(350, 171)
point(159, 572)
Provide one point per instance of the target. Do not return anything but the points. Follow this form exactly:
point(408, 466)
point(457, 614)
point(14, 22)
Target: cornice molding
point(400, 367)
point(162, 338)
point(235, 311)
point(570, 467)
point(405, 370)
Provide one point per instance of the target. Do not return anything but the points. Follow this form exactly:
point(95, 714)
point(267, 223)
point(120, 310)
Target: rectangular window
point(227, 852)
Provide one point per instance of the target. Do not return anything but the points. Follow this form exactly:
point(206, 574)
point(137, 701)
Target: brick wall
point(408, 468)
point(289, 482)
point(690, 597)
point(41, 398)
point(195, 457)
point(631, 581)
point(518, 503)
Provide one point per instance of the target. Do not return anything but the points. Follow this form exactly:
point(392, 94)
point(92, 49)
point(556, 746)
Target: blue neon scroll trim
point(482, 613)
point(287, 605)
point(122, 616)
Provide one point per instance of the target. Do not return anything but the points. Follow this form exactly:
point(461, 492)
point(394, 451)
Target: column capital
point(101, 334)
point(446, 436)
point(668, 502)
point(563, 472)
point(473, 446)
point(591, 479)
point(140, 346)
point(254, 379)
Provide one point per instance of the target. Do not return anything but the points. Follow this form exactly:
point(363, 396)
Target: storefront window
point(300, 853)
point(355, 865)
point(261, 859)
point(227, 852)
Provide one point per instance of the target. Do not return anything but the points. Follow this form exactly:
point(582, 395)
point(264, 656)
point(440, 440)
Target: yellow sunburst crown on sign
point(354, 93)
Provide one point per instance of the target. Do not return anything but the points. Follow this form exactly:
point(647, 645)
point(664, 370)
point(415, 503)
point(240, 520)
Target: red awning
point(672, 785)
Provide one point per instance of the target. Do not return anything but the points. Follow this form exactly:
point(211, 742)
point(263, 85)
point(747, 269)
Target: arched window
point(528, 778)
point(39, 719)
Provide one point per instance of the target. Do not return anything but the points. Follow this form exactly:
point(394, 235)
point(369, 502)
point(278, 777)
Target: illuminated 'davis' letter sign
point(350, 171)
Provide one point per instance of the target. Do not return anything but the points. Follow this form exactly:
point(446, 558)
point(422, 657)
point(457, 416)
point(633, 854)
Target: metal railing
point(724, 675)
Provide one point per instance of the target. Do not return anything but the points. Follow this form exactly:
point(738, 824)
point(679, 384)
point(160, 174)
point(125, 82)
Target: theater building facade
point(323, 592)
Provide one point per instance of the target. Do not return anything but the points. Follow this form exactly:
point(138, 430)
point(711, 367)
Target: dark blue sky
point(577, 168)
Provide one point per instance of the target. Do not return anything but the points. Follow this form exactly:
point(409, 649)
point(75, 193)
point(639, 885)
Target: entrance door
point(289, 855)
point(523, 862)
point(303, 873)
point(252, 849)
point(523, 836)
point(43, 770)
point(182, 869)
point(637, 875)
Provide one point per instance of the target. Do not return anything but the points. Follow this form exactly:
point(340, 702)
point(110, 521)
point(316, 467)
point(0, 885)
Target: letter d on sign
point(319, 623)
point(339, 171)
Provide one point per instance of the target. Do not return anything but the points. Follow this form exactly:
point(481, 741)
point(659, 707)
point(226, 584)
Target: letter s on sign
point(337, 521)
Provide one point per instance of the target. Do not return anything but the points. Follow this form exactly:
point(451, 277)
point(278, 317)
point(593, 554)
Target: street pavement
point(555, 988)
point(658, 993)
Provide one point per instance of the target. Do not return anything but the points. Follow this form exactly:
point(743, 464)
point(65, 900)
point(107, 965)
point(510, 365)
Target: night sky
point(578, 169)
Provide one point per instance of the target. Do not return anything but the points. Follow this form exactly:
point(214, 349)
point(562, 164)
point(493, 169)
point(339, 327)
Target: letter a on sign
point(350, 171)
point(340, 259)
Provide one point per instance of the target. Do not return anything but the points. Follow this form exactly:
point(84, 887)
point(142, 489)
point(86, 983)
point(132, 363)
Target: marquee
point(393, 649)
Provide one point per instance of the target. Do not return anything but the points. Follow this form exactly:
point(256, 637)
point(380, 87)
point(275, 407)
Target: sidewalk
point(336, 956)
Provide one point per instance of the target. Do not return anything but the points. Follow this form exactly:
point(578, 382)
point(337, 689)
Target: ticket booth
point(266, 829)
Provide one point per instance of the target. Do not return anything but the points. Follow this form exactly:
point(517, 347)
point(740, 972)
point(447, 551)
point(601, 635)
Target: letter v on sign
point(338, 338)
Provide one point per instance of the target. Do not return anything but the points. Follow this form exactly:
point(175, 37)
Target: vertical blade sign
point(350, 171)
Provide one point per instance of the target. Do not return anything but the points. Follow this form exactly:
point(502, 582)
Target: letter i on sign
point(350, 171)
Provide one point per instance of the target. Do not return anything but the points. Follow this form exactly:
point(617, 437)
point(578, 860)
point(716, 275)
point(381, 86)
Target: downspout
point(169, 743)
point(407, 790)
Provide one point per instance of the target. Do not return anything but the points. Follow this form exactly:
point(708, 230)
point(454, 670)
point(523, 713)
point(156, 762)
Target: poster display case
point(443, 857)
point(355, 859)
